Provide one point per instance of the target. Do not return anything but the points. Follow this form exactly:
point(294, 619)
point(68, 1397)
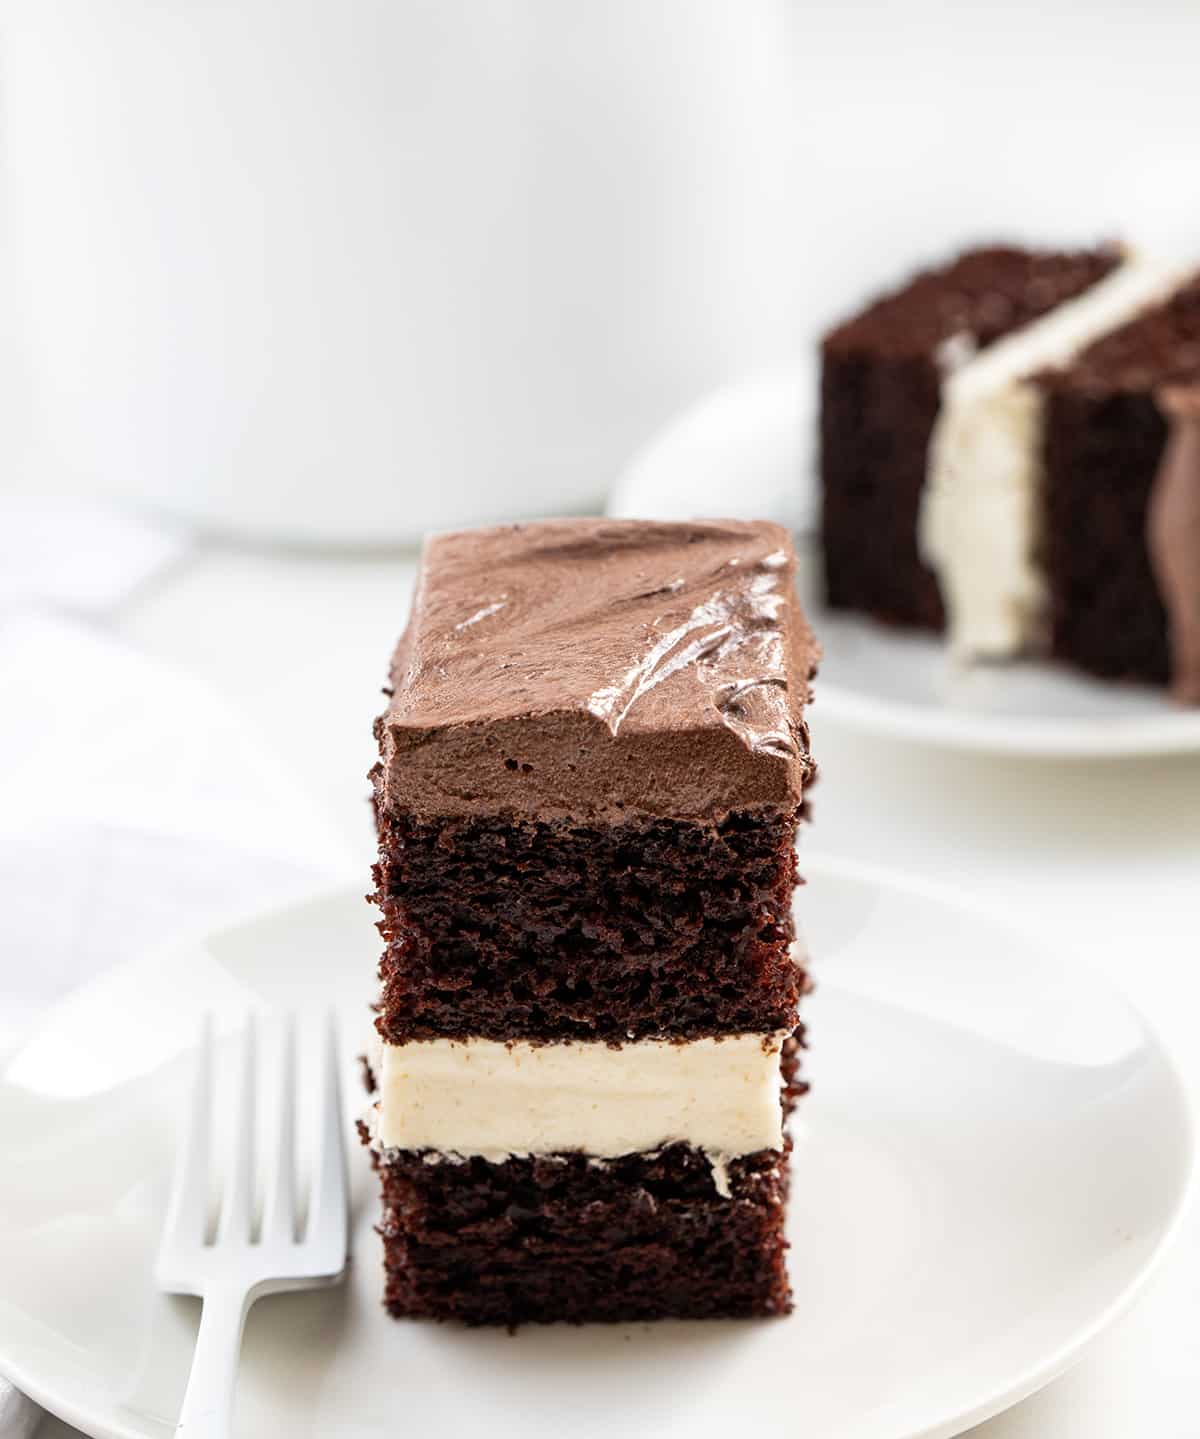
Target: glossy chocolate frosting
point(594, 668)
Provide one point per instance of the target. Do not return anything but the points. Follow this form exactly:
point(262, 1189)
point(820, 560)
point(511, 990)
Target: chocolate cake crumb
point(557, 931)
point(564, 1238)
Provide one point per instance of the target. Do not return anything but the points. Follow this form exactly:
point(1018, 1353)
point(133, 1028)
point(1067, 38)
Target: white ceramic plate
point(744, 451)
point(994, 1153)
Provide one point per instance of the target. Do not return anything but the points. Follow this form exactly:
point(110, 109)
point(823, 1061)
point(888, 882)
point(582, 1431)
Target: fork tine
point(237, 1201)
point(327, 1215)
point(187, 1210)
point(279, 1213)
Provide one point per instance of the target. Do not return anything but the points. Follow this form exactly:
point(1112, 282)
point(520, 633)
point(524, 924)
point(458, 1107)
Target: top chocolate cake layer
point(980, 297)
point(585, 668)
point(1158, 348)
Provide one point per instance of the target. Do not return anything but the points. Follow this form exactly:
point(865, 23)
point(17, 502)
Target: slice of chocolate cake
point(881, 387)
point(592, 769)
point(984, 523)
point(1028, 506)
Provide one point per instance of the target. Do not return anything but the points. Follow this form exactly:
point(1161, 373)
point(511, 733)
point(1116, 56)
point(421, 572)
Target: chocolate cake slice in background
point(993, 439)
point(591, 773)
point(881, 378)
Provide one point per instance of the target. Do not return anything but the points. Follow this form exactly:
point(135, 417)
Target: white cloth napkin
point(135, 803)
point(78, 555)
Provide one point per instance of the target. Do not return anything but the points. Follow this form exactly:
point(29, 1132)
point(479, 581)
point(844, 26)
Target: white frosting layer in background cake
point(483, 1097)
point(979, 510)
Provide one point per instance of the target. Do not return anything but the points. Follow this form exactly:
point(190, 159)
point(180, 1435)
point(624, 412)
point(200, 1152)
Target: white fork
point(235, 1268)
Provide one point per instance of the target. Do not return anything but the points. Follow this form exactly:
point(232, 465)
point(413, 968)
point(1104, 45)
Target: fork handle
point(207, 1409)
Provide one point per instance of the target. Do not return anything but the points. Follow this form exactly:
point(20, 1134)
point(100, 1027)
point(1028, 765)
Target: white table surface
point(1104, 854)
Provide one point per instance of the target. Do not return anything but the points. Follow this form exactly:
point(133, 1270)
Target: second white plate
point(902, 684)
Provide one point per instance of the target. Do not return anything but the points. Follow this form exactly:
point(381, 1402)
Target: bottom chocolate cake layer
point(565, 1237)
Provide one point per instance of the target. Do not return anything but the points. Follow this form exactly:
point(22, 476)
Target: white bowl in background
point(347, 273)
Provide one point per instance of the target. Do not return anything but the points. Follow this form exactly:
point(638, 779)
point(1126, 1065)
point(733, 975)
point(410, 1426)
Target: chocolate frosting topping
point(594, 667)
point(1173, 535)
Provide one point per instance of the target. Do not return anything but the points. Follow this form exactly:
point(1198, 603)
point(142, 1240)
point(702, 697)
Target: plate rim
point(972, 733)
point(1044, 1372)
point(1035, 1377)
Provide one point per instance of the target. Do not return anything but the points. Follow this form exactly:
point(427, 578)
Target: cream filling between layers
point(482, 1097)
point(979, 509)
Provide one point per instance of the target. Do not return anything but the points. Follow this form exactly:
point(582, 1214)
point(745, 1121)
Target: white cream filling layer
point(482, 1097)
point(978, 522)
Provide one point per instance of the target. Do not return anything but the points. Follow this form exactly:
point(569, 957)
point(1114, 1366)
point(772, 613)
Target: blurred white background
point(342, 271)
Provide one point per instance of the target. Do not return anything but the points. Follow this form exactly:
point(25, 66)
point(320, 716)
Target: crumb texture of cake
point(881, 379)
point(592, 768)
point(647, 926)
point(565, 1237)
